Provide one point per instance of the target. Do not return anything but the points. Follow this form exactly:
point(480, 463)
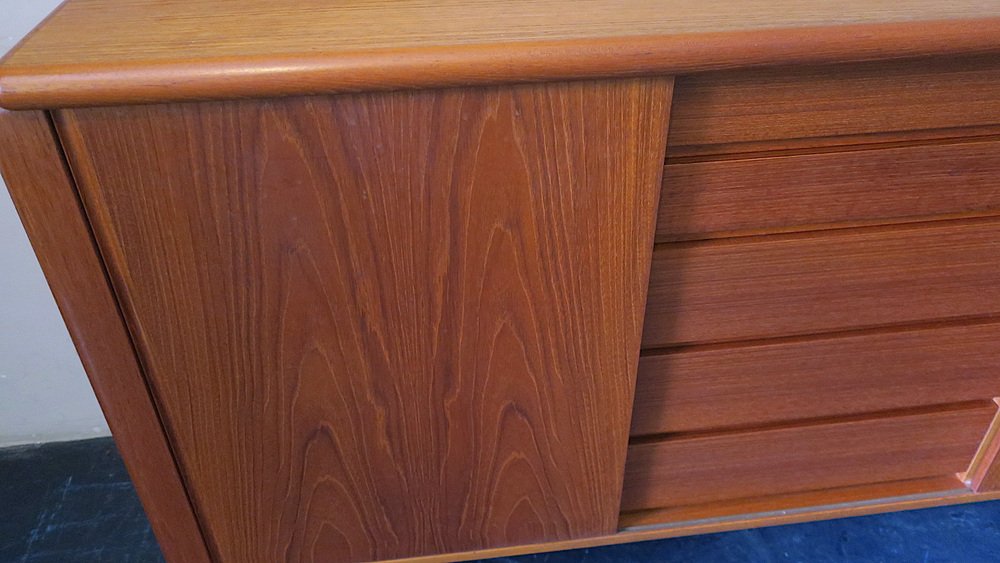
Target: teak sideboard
point(378, 279)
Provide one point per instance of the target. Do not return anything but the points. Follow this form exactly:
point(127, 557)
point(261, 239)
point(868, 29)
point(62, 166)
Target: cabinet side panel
point(392, 324)
point(47, 202)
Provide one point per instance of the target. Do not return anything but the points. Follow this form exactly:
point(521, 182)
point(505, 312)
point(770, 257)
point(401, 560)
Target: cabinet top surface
point(97, 52)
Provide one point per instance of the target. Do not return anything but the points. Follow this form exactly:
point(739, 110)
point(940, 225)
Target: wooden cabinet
point(400, 281)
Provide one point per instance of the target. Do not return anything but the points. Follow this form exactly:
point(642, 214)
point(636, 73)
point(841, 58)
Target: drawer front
point(717, 198)
point(762, 109)
point(748, 385)
point(782, 285)
point(785, 460)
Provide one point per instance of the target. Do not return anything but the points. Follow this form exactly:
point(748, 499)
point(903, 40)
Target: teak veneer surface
point(806, 283)
point(832, 189)
point(386, 325)
point(748, 385)
point(180, 49)
point(802, 458)
point(46, 199)
point(792, 503)
point(790, 107)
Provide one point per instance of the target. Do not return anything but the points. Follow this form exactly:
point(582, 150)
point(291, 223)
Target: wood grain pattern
point(747, 385)
point(832, 189)
point(765, 109)
point(781, 285)
point(127, 51)
point(984, 471)
point(47, 202)
point(387, 325)
point(802, 458)
point(259, 27)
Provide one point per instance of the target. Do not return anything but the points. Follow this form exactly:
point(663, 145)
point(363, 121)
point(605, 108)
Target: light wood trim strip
point(46, 199)
point(738, 386)
point(724, 467)
point(984, 472)
point(129, 81)
point(811, 283)
point(815, 191)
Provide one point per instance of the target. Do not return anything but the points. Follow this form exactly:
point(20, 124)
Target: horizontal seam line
point(928, 325)
point(669, 437)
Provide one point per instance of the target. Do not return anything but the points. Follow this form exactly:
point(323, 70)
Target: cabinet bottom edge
point(662, 524)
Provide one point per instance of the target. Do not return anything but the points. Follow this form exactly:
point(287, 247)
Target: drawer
point(712, 468)
point(756, 384)
point(833, 189)
point(765, 109)
point(806, 283)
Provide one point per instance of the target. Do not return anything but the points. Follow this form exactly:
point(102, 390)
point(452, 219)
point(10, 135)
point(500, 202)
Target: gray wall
point(44, 394)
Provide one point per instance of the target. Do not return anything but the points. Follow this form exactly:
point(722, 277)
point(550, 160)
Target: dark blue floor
point(960, 534)
point(73, 502)
point(70, 502)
